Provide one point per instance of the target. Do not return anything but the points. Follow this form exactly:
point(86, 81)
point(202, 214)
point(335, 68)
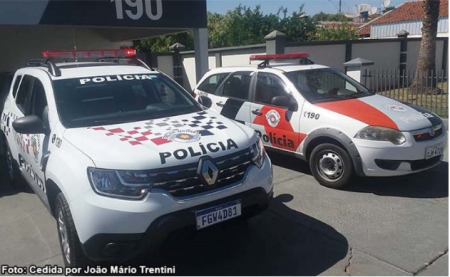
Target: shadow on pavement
point(281, 241)
point(6, 189)
point(432, 183)
point(289, 162)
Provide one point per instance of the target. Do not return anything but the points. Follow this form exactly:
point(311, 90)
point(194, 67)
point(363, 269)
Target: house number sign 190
point(134, 9)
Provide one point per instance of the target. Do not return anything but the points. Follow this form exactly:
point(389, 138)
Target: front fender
point(340, 137)
point(67, 168)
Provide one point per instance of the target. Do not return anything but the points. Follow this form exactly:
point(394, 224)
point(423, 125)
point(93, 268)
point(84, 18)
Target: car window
point(16, 85)
point(268, 86)
point(326, 84)
point(237, 85)
point(39, 100)
point(211, 83)
point(91, 101)
point(24, 94)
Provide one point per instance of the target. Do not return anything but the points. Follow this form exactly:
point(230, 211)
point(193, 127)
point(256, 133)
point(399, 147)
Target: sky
point(311, 6)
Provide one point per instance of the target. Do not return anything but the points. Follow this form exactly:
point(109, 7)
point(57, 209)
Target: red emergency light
point(85, 54)
point(279, 56)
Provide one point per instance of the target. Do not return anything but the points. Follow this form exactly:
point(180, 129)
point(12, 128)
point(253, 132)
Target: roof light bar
point(84, 54)
point(279, 56)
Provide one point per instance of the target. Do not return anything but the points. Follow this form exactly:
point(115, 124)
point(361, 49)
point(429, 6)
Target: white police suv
point(122, 155)
point(326, 118)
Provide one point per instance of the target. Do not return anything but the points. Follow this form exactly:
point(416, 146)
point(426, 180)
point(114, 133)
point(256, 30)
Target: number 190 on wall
point(134, 9)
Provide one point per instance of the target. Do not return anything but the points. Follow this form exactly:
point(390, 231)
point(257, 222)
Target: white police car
point(122, 155)
point(326, 118)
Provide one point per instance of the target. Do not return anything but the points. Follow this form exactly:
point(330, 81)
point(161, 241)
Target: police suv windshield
point(113, 99)
point(326, 84)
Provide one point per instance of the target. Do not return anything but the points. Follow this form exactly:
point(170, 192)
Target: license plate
point(218, 214)
point(434, 150)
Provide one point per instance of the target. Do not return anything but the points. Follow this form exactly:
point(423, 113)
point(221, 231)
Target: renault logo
point(207, 171)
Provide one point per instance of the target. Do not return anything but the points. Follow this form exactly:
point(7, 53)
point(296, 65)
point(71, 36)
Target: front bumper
point(126, 246)
point(384, 159)
point(97, 217)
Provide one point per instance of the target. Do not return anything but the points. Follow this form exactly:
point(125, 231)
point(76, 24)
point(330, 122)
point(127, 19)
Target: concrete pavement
point(387, 226)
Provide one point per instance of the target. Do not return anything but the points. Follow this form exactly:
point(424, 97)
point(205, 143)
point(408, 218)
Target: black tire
point(331, 165)
point(68, 236)
point(9, 168)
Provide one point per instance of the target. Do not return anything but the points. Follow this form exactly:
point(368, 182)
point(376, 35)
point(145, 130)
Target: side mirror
point(30, 124)
point(281, 101)
point(205, 101)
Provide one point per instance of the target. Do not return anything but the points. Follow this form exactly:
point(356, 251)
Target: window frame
point(32, 108)
point(216, 89)
point(25, 109)
point(16, 85)
point(230, 75)
point(255, 83)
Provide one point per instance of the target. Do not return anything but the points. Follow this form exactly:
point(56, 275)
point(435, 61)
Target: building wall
point(331, 55)
point(165, 64)
point(414, 28)
point(19, 44)
point(386, 55)
point(413, 53)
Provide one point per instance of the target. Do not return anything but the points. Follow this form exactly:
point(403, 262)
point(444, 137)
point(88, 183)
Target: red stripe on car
point(282, 135)
point(360, 111)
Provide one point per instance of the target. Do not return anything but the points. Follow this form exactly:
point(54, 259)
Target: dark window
point(116, 99)
point(211, 83)
point(39, 100)
point(16, 85)
point(24, 94)
point(326, 84)
point(238, 85)
point(269, 86)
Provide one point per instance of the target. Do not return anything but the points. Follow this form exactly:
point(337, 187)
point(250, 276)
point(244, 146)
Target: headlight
point(126, 184)
point(258, 153)
point(381, 134)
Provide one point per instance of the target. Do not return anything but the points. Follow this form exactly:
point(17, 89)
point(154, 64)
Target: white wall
point(413, 27)
point(189, 78)
point(386, 55)
point(165, 64)
point(413, 54)
point(238, 59)
point(19, 44)
point(330, 55)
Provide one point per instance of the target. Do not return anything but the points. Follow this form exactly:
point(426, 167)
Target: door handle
point(220, 104)
point(257, 112)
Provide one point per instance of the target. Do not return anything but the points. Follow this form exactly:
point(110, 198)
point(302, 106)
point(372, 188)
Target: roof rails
point(302, 57)
point(52, 68)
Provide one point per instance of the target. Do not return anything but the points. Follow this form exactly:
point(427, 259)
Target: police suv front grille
point(425, 135)
point(184, 182)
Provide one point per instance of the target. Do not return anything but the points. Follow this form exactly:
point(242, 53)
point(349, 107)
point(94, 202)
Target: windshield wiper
point(116, 121)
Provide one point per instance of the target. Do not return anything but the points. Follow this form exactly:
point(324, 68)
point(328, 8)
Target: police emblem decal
point(397, 108)
point(182, 136)
point(273, 118)
point(35, 145)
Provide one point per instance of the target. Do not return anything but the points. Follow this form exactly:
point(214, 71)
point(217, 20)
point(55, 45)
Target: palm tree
point(427, 54)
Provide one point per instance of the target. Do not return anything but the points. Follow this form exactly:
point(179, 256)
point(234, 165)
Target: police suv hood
point(377, 110)
point(163, 142)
